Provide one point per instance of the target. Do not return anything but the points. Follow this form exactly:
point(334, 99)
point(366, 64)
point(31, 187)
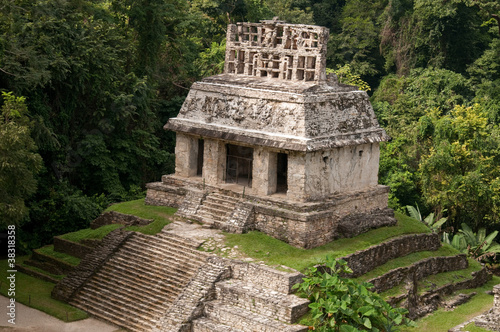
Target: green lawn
point(89, 233)
point(159, 214)
point(49, 251)
point(275, 252)
point(36, 294)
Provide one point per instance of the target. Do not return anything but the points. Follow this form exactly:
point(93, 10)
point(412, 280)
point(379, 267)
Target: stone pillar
point(214, 161)
point(296, 176)
point(186, 155)
point(264, 172)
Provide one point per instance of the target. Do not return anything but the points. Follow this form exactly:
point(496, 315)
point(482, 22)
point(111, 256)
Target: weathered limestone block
point(161, 194)
point(214, 159)
point(264, 171)
point(186, 155)
point(191, 203)
point(296, 176)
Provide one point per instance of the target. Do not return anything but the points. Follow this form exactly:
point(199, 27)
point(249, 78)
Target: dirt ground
point(32, 320)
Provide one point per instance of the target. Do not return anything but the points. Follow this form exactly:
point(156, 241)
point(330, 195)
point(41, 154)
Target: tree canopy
point(88, 84)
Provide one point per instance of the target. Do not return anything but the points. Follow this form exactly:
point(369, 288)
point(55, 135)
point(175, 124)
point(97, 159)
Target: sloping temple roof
point(275, 93)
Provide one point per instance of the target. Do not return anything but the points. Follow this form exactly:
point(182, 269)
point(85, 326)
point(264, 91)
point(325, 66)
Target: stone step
point(113, 315)
point(125, 268)
point(160, 248)
point(223, 198)
point(177, 240)
point(208, 325)
point(207, 214)
point(128, 304)
point(214, 211)
point(164, 240)
point(154, 261)
point(245, 320)
point(152, 292)
point(217, 208)
point(165, 252)
point(262, 276)
point(284, 307)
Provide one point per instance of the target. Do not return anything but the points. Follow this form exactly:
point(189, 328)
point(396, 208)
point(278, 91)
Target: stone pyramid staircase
point(217, 208)
point(256, 298)
point(135, 287)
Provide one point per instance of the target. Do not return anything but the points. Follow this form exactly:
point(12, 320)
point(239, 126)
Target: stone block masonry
point(364, 261)
point(277, 129)
point(65, 289)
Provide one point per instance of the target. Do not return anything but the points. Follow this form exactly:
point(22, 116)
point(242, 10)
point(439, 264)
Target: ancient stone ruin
point(275, 145)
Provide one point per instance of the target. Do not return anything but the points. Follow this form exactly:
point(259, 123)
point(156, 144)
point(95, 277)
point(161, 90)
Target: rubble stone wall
point(364, 261)
point(113, 217)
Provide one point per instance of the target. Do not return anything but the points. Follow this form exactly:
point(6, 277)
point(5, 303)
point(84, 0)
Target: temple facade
point(275, 145)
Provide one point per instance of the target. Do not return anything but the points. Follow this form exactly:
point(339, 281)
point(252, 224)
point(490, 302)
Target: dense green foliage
point(90, 83)
point(341, 304)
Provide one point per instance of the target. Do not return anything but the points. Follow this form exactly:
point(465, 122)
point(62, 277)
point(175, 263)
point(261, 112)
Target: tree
point(461, 171)
point(19, 161)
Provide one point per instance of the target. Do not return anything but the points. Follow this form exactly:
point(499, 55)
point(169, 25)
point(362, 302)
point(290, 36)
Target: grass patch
point(275, 252)
point(88, 233)
point(39, 291)
point(49, 251)
point(441, 279)
point(139, 209)
point(473, 328)
point(442, 320)
point(160, 215)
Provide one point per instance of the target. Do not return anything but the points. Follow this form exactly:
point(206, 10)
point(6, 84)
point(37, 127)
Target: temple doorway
point(282, 173)
point(239, 165)
point(201, 151)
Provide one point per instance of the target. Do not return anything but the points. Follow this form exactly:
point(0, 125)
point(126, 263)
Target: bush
point(341, 304)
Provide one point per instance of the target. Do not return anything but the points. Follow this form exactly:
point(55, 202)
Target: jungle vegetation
point(87, 85)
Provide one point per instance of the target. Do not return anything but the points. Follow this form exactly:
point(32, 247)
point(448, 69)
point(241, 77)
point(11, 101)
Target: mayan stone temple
point(275, 145)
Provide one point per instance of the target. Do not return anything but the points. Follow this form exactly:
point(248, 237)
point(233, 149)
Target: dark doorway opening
point(201, 150)
point(282, 169)
point(239, 165)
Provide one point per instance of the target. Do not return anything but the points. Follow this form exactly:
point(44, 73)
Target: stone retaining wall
point(163, 195)
point(364, 261)
point(113, 217)
point(71, 248)
point(419, 270)
point(278, 281)
point(67, 287)
point(49, 263)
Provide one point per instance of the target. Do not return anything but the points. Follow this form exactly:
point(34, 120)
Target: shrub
point(341, 304)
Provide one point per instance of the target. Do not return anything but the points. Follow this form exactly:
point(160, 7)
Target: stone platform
point(238, 209)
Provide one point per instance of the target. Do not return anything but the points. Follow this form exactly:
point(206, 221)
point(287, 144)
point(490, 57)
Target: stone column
point(264, 172)
point(296, 176)
point(186, 155)
point(214, 161)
